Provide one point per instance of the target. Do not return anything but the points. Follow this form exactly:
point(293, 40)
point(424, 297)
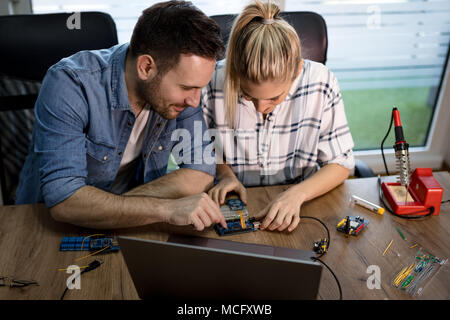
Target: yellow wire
point(92, 253)
point(388, 247)
point(82, 242)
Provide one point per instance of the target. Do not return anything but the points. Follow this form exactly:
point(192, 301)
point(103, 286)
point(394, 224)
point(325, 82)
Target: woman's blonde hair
point(262, 46)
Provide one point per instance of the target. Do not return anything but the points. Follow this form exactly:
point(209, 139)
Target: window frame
point(433, 153)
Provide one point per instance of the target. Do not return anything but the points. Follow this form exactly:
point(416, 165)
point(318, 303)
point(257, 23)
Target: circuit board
point(352, 225)
point(237, 219)
point(88, 244)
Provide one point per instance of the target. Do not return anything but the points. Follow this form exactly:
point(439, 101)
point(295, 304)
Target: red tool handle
point(397, 121)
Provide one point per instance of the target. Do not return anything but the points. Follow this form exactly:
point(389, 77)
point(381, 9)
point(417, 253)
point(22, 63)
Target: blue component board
point(74, 244)
point(235, 227)
point(90, 244)
point(232, 211)
point(352, 225)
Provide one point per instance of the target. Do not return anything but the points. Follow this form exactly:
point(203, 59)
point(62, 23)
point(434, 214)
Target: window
point(383, 52)
point(126, 13)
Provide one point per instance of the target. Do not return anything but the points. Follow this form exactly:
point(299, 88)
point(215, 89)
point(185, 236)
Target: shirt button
point(105, 158)
point(145, 155)
point(160, 148)
point(119, 153)
point(130, 123)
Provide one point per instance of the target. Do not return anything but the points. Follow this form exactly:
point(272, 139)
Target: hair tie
point(268, 21)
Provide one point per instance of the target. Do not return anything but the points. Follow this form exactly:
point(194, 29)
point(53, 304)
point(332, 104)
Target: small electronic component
point(89, 244)
point(321, 246)
point(352, 225)
point(237, 219)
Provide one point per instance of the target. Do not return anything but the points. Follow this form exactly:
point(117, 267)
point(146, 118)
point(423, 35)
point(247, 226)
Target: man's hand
point(227, 184)
point(283, 212)
point(198, 210)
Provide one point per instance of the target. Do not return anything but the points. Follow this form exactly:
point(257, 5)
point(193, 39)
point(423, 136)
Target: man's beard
point(150, 92)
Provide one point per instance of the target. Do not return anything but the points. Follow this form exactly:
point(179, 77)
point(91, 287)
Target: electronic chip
point(237, 219)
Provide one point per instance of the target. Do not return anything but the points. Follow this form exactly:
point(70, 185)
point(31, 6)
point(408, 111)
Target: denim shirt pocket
point(99, 162)
point(159, 156)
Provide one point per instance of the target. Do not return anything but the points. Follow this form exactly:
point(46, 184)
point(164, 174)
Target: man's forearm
point(324, 180)
point(94, 208)
point(177, 184)
point(223, 170)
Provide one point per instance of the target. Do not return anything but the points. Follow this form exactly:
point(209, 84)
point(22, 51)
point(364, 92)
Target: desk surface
point(30, 239)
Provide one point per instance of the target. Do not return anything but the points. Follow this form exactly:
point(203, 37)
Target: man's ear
point(146, 67)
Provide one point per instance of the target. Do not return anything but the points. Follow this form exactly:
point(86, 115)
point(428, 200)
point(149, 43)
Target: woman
point(279, 118)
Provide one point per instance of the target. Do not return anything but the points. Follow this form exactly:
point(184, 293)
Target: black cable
point(328, 232)
point(93, 265)
point(382, 143)
point(335, 278)
point(328, 245)
point(409, 216)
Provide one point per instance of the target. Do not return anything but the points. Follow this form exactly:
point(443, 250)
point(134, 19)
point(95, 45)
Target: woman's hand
point(227, 184)
point(283, 212)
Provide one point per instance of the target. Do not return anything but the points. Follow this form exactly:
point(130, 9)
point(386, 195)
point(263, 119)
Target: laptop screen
point(203, 268)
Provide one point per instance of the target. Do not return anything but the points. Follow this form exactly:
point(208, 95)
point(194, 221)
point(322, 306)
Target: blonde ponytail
point(262, 46)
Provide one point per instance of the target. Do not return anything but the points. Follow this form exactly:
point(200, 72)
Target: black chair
point(312, 31)
point(310, 26)
point(29, 45)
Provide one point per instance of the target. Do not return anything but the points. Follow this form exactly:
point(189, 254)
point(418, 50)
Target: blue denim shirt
point(83, 123)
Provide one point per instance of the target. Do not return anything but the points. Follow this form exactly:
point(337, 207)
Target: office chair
point(312, 31)
point(30, 45)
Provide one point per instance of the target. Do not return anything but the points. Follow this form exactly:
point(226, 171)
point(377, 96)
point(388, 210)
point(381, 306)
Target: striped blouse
point(305, 132)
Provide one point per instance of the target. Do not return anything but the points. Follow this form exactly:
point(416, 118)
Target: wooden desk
point(29, 247)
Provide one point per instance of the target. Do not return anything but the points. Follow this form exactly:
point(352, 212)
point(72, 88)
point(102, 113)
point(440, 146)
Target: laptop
point(187, 267)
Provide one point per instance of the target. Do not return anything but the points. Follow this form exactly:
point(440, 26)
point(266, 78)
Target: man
point(104, 121)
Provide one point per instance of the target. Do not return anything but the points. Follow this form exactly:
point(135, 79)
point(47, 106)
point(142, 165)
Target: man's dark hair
point(168, 29)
